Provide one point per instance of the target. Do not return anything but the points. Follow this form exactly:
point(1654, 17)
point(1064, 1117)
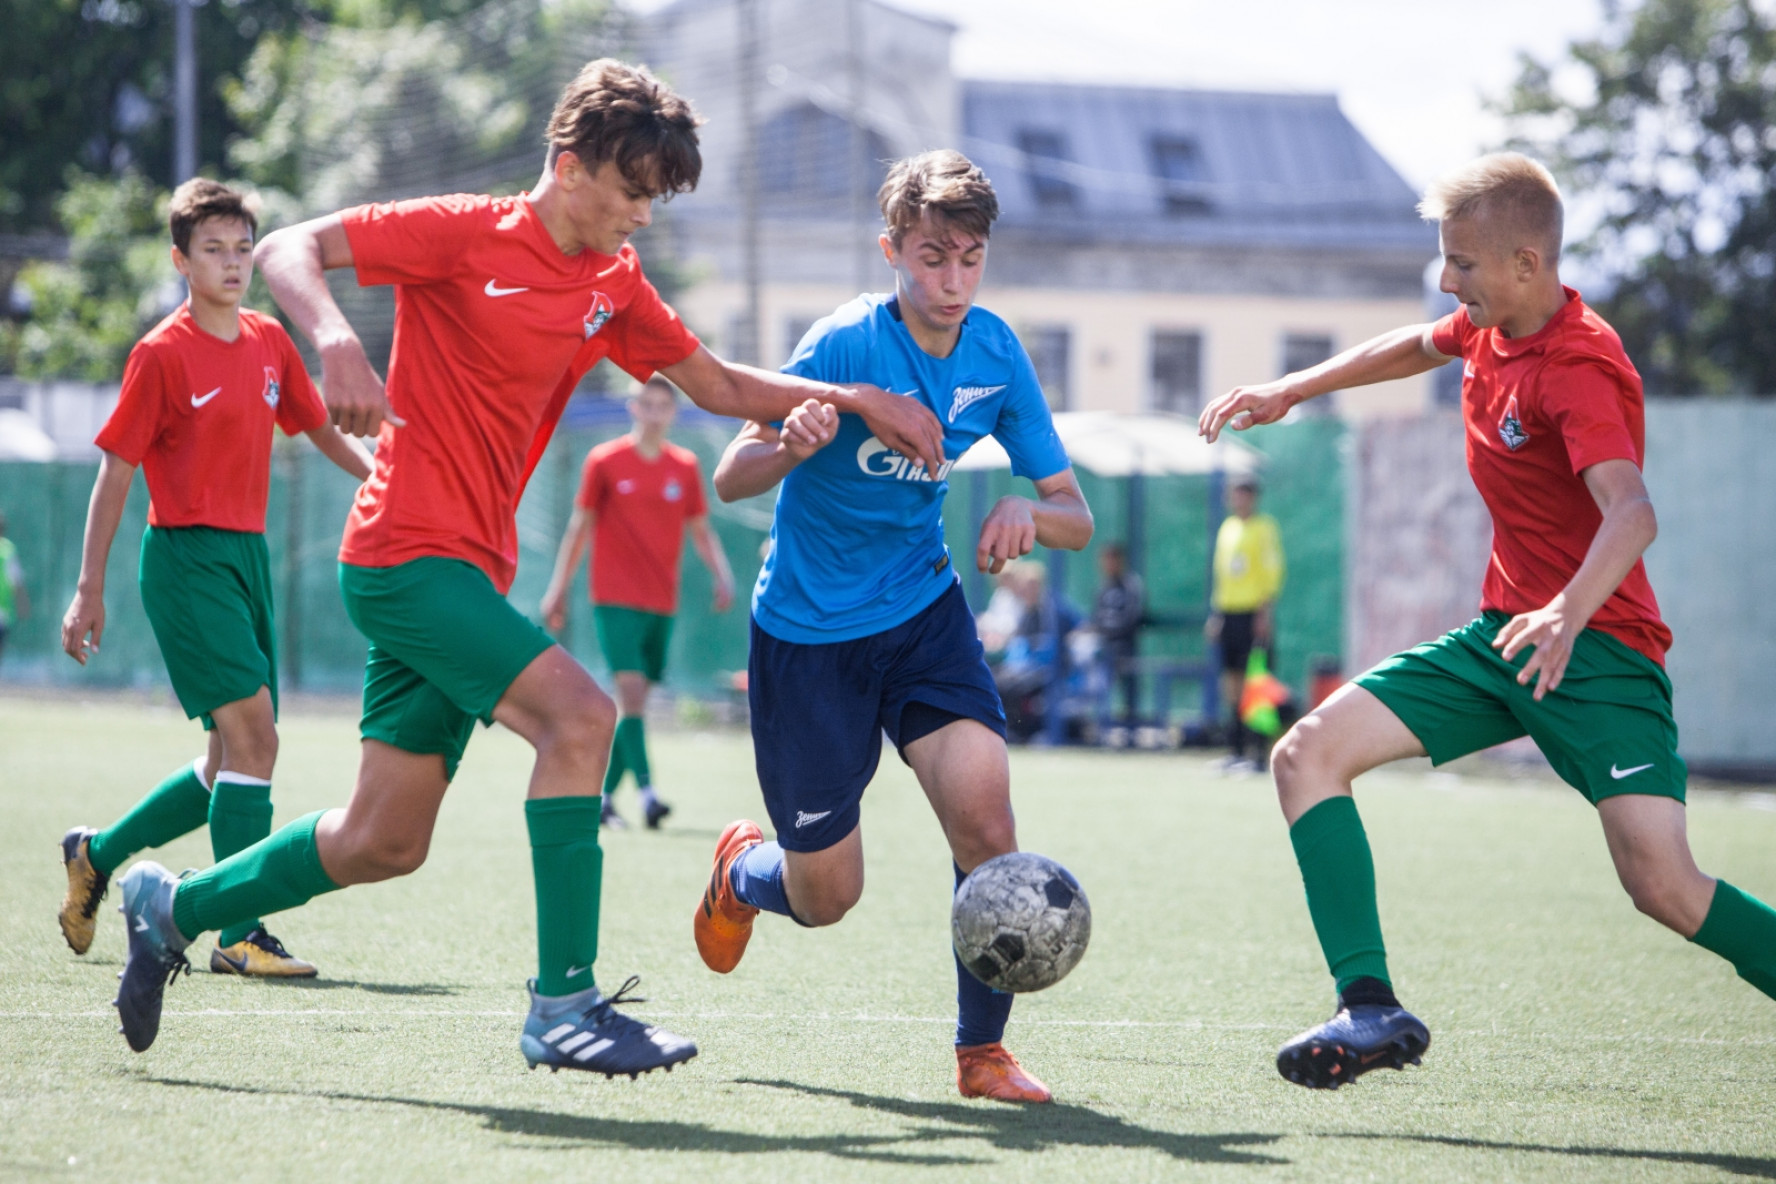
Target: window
point(1177, 372)
point(1045, 167)
point(741, 345)
point(1301, 350)
point(1050, 348)
point(805, 156)
point(1178, 166)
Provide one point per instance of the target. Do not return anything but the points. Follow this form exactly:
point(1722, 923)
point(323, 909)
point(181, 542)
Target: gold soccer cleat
point(259, 955)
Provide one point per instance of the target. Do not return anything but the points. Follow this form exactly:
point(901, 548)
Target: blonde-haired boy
point(1569, 647)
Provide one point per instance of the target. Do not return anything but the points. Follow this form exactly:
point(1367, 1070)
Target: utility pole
point(751, 350)
point(184, 90)
point(859, 146)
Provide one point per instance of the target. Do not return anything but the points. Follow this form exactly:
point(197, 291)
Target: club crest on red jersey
point(672, 492)
point(601, 311)
point(271, 388)
point(1511, 426)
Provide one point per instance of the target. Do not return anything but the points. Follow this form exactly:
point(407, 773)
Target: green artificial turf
point(1572, 1039)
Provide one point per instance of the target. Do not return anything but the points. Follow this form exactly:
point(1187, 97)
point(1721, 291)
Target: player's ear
point(180, 262)
point(567, 169)
point(887, 244)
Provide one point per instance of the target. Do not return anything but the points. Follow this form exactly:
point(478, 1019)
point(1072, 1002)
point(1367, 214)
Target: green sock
point(1742, 929)
point(636, 728)
point(177, 806)
point(613, 773)
point(1339, 874)
point(240, 815)
point(274, 874)
point(568, 865)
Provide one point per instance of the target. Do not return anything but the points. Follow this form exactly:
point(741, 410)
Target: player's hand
point(903, 423)
point(86, 615)
point(352, 390)
point(1246, 406)
point(1008, 533)
point(723, 599)
point(808, 429)
point(1552, 631)
point(555, 609)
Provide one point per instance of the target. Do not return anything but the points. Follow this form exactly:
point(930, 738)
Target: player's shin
point(568, 865)
point(981, 1011)
point(1742, 929)
point(1338, 873)
point(240, 815)
point(177, 806)
point(279, 872)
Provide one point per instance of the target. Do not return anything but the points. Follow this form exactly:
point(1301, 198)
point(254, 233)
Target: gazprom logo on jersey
point(966, 395)
point(878, 460)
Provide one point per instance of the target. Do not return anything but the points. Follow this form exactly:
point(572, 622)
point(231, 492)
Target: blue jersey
point(857, 546)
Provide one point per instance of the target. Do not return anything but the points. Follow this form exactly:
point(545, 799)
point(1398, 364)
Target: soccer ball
point(1020, 922)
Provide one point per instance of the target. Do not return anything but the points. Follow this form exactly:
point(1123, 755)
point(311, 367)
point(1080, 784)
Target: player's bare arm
point(709, 550)
point(1400, 353)
point(294, 262)
point(761, 455)
point(567, 557)
point(765, 396)
point(343, 451)
point(86, 615)
point(1057, 518)
point(1629, 527)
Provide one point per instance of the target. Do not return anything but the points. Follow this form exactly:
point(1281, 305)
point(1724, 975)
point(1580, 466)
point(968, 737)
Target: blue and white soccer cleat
point(156, 951)
point(1361, 1037)
point(586, 1031)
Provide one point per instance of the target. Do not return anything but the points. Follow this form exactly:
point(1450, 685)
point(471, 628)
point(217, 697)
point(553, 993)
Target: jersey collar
point(1516, 347)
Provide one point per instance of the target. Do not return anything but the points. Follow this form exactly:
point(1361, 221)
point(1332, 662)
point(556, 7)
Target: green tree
point(1664, 129)
point(118, 279)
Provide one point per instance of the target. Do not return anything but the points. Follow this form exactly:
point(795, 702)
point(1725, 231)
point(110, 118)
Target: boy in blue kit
point(859, 623)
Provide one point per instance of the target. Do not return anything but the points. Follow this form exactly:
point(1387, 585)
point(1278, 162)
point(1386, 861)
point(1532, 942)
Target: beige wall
point(1242, 335)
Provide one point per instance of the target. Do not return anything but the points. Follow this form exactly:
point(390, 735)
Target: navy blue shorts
point(819, 711)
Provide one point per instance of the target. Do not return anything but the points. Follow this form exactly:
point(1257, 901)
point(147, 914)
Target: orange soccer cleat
point(988, 1071)
point(722, 924)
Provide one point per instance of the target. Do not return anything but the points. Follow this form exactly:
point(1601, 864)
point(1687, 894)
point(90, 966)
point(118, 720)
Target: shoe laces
point(604, 1013)
point(268, 943)
point(176, 964)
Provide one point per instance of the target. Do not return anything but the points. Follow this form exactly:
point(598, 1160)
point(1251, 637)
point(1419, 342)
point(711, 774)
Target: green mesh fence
point(320, 651)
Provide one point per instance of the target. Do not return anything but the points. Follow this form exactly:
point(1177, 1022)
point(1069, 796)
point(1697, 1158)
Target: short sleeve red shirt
point(197, 413)
point(639, 509)
point(1539, 411)
point(491, 319)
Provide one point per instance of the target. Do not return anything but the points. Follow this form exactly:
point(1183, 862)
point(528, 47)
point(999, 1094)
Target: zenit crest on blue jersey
point(857, 546)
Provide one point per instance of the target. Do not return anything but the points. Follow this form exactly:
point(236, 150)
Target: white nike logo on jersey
point(1618, 774)
point(493, 289)
point(803, 818)
point(199, 402)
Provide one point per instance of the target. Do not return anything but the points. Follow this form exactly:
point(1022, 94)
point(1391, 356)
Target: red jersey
point(1539, 411)
point(197, 414)
point(639, 509)
point(493, 328)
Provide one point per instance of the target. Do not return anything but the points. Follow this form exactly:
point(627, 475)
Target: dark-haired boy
point(501, 305)
point(1569, 647)
point(859, 624)
point(201, 395)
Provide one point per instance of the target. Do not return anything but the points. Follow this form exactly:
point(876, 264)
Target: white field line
point(700, 1016)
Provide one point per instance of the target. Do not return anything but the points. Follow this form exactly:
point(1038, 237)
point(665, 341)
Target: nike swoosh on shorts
point(1618, 774)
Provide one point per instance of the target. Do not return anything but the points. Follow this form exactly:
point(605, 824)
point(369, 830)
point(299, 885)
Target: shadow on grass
point(1005, 1128)
point(1758, 1168)
point(1038, 1128)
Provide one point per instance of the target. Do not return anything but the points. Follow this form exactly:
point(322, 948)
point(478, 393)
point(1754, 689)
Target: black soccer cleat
point(608, 816)
point(655, 811)
point(1362, 1036)
point(156, 952)
point(586, 1031)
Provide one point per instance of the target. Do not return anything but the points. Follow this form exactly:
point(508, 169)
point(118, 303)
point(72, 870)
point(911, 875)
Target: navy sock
point(981, 1011)
point(757, 879)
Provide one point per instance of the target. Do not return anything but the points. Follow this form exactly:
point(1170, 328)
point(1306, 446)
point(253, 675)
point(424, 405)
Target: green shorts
point(633, 639)
point(1607, 730)
point(444, 646)
point(207, 593)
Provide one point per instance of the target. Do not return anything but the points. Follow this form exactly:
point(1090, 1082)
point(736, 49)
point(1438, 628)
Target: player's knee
point(1655, 894)
point(1293, 757)
point(827, 906)
point(581, 725)
point(985, 839)
point(369, 858)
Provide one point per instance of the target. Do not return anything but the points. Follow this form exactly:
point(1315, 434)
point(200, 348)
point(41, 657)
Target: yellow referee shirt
point(1248, 564)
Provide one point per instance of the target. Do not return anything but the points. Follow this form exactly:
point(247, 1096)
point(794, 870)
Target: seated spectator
point(1116, 618)
point(1032, 654)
